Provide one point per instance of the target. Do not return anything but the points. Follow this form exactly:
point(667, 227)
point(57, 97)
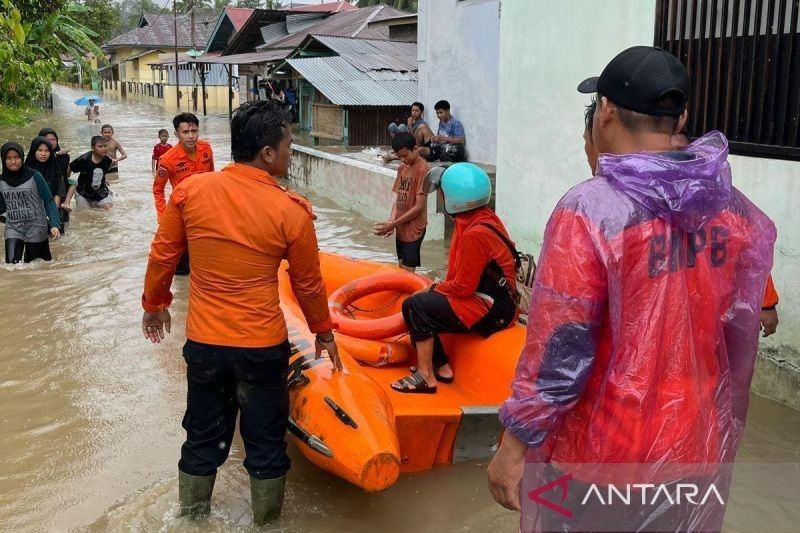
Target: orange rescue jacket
point(238, 224)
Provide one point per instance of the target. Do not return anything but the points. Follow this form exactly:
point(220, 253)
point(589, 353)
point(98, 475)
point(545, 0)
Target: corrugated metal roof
point(250, 58)
point(331, 7)
point(272, 32)
point(344, 84)
point(238, 16)
point(159, 31)
point(369, 54)
point(301, 21)
point(353, 23)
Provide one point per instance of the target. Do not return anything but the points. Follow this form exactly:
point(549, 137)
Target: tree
point(103, 18)
point(33, 10)
point(60, 33)
point(26, 74)
point(132, 10)
point(405, 5)
point(261, 4)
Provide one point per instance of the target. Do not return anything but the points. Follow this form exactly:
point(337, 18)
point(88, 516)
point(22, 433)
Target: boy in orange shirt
point(409, 215)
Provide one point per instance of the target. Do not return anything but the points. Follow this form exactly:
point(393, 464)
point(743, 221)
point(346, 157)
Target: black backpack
point(525, 268)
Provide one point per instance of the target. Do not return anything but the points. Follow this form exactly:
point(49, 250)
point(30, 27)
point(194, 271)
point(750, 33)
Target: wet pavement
point(91, 412)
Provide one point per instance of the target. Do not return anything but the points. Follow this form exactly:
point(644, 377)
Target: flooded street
point(91, 412)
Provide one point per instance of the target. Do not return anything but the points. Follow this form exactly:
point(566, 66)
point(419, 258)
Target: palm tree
point(262, 4)
point(184, 6)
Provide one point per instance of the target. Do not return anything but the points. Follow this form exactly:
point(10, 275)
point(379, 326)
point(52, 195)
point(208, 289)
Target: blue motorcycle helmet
point(465, 186)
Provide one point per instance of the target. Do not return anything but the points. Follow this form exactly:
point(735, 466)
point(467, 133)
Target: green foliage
point(30, 52)
point(15, 116)
point(33, 10)
point(61, 33)
point(103, 18)
point(27, 72)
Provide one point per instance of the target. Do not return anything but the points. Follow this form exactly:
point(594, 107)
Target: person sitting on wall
point(416, 126)
point(449, 142)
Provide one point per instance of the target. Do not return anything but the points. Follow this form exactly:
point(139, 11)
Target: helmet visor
point(433, 179)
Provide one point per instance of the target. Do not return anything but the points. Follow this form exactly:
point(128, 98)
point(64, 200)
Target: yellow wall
point(216, 101)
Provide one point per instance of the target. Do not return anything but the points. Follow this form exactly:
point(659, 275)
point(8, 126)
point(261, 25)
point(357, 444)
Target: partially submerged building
point(351, 89)
point(130, 71)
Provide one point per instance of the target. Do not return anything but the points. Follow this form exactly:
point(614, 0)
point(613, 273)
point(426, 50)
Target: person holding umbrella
point(92, 110)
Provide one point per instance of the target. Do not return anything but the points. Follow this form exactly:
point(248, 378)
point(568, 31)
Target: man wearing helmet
point(477, 293)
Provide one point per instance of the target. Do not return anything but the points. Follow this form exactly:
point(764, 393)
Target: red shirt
point(472, 247)
point(159, 150)
point(176, 165)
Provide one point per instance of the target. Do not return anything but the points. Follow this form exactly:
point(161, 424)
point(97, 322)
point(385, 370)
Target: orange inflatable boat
point(352, 424)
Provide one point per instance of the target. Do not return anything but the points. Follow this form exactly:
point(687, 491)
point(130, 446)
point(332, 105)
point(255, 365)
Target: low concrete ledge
point(777, 376)
point(365, 188)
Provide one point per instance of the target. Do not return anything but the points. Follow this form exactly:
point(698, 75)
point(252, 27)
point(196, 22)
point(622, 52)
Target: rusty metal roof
point(353, 23)
point(345, 84)
point(158, 31)
point(238, 16)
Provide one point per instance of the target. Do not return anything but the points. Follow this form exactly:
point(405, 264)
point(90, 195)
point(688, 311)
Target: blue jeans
point(394, 129)
point(222, 382)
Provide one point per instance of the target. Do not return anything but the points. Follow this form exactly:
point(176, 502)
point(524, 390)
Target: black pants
point(17, 249)
point(64, 216)
point(429, 313)
point(183, 265)
point(222, 382)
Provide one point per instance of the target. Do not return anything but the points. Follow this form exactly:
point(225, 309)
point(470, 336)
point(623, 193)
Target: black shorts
point(408, 253)
point(435, 151)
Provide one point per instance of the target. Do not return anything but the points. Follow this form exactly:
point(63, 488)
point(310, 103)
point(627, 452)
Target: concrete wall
point(458, 52)
point(544, 55)
point(360, 186)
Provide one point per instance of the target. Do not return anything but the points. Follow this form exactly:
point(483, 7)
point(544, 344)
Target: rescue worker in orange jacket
point(237, 347)
point(190, 156)
point(644, 321)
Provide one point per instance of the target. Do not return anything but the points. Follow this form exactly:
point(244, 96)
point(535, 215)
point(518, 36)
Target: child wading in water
point(93, 166)
point(29, 208)
point(42, 159)
point(112, 147)
point(161, 148)
point(62, 159)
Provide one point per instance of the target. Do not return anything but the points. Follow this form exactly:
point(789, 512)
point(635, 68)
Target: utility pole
point(177, 72)
point(194, 65)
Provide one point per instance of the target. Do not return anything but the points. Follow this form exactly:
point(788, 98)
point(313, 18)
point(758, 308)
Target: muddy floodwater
point(91, 413)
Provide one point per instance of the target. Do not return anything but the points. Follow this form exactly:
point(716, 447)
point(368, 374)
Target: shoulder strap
point(514, 252)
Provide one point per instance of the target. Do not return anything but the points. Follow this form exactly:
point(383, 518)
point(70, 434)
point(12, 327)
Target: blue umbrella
point(84, 100)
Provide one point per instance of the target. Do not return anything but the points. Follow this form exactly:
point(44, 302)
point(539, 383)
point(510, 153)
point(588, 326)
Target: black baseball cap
point(638, 77)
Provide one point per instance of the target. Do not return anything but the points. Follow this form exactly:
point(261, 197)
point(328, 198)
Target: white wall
point(458, 51)
point(544, 55)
